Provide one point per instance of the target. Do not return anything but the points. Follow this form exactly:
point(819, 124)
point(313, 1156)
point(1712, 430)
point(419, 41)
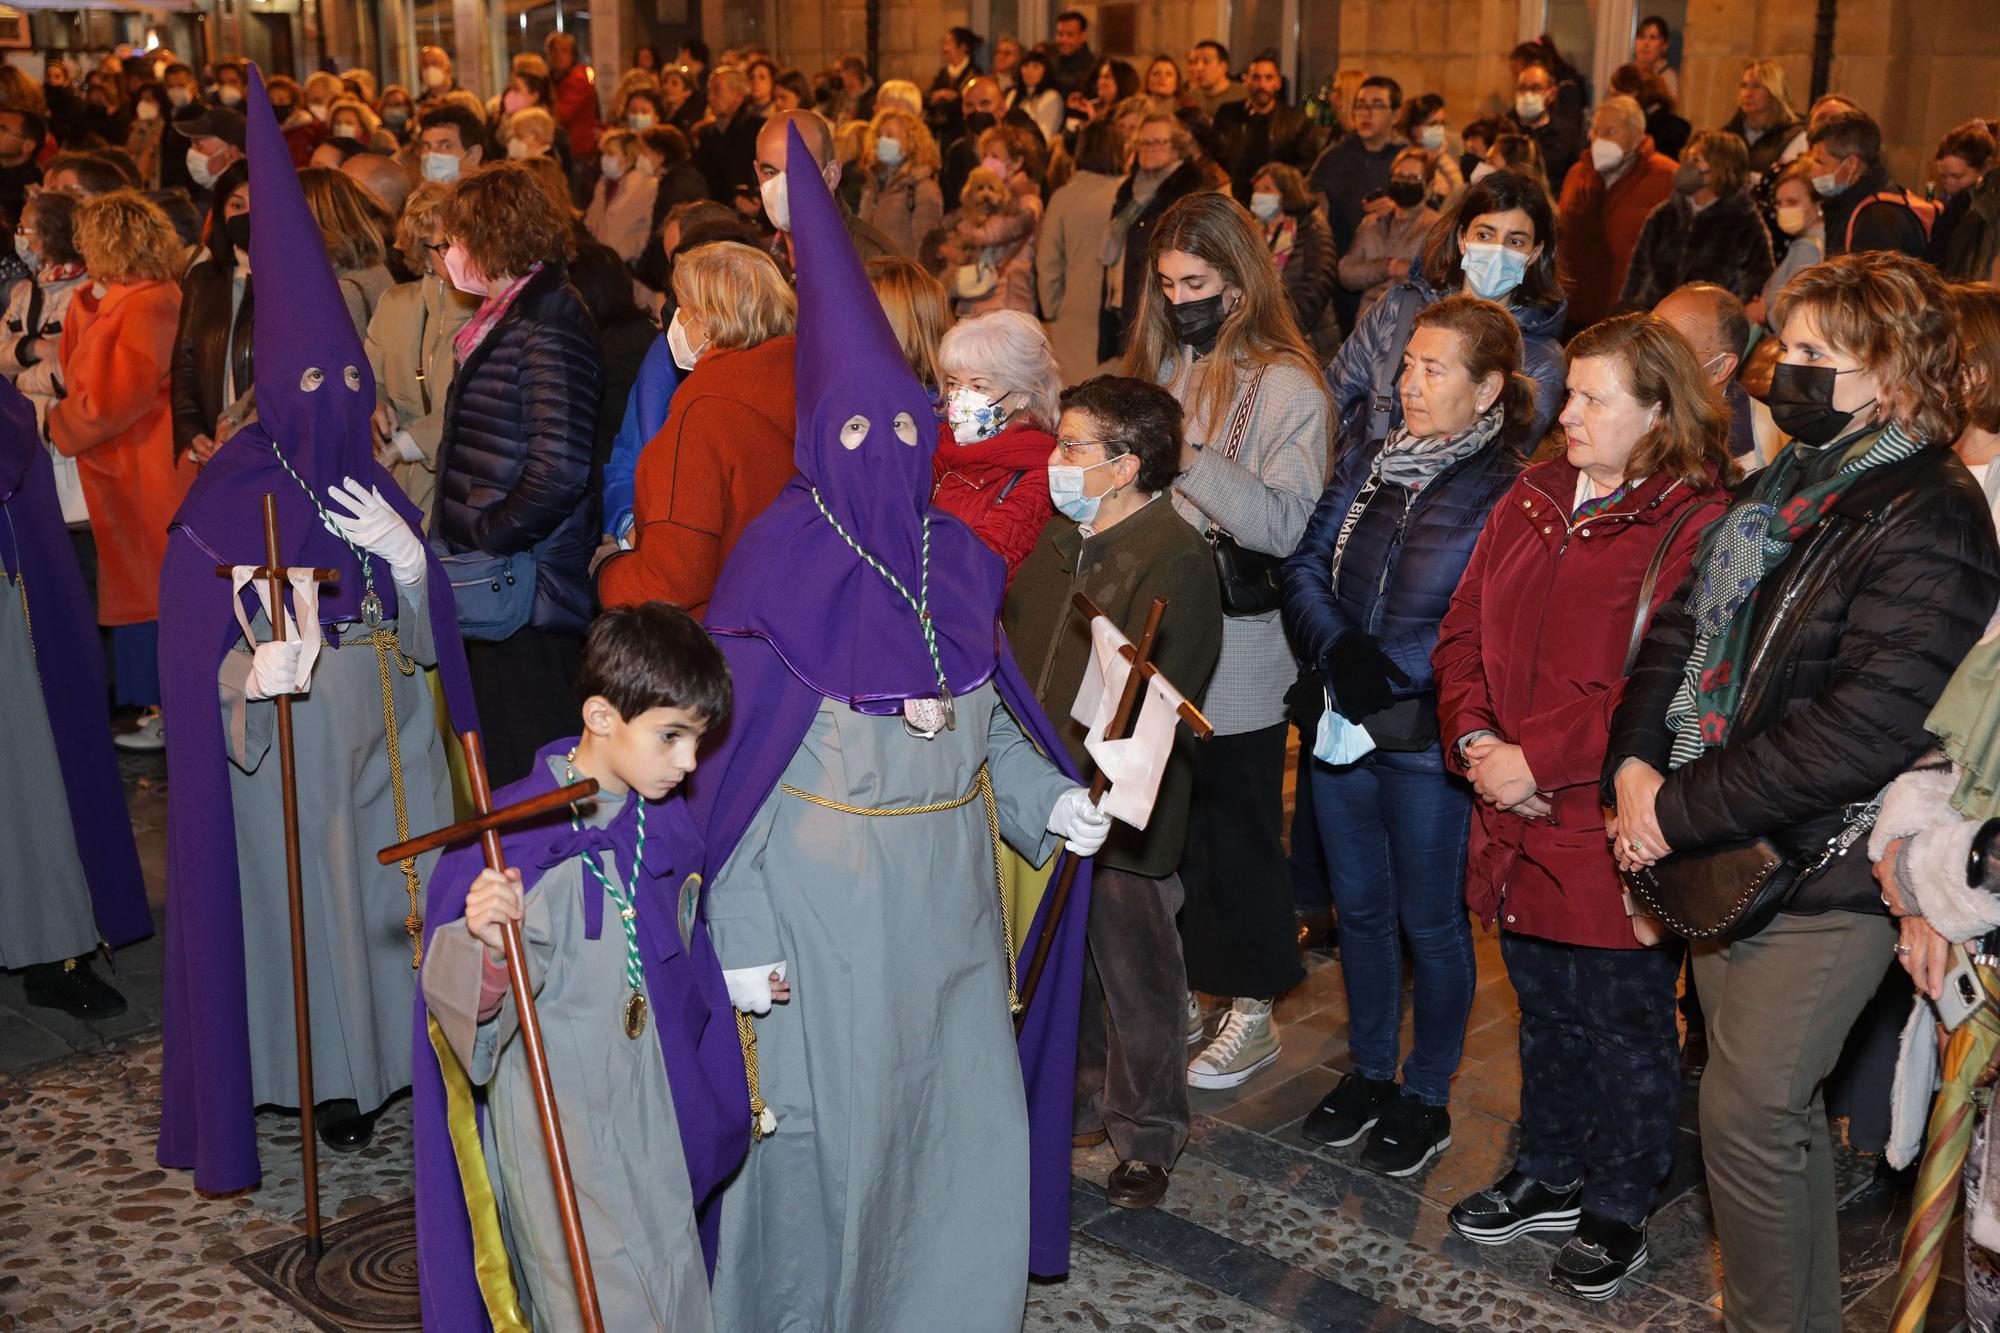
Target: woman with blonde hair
point(620, 214)
point(116, 420)
point(354, 225)
point(1213, 326)
point(409, 345)
point(1765, 119)
point(919, 312)
point(1773, 697)
point(899, 185)
point(726, 449)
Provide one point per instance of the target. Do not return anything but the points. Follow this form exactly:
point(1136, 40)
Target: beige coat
point(906, 208)
point(1069, 270)
point(412, 328)
point(622, 220)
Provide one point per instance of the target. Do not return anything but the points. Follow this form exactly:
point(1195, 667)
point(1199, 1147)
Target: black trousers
point(524, 686)
point(1131, 1045)
point(1238, 931)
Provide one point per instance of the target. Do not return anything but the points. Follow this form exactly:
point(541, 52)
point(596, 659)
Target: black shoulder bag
point(1249, 578)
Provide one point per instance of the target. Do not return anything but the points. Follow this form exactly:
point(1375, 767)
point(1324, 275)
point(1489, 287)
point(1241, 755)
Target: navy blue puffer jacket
point(1363, 373)
point(1402, 564)
point(514, 462)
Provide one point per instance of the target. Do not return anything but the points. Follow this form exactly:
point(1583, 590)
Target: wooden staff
point(486, 825)
point(275, 575)
point(1128, 699)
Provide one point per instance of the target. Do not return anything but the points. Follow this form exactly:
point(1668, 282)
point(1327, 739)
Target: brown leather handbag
point(1718, 893)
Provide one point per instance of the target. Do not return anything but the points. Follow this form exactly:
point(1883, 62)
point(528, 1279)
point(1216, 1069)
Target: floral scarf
point(490, 310)
point(1750, 541)
point(1283, 239)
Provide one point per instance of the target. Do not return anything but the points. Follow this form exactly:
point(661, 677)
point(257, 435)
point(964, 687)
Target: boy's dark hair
point(654, 656)
point(1137, 417)
point(1073, 16)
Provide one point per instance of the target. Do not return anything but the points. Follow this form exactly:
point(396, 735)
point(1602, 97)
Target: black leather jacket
point(200, 346)
point(1855, 635)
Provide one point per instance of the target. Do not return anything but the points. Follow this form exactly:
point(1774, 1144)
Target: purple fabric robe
point(315, 393)
point(800, 617)
point(35, 546)
point(691, 1015)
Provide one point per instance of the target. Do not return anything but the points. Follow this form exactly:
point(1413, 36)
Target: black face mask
point(237, 229)
point(1198, 323)
point(1801, 402)
point(282, 110)
point(1405, 194)
point(977, 123)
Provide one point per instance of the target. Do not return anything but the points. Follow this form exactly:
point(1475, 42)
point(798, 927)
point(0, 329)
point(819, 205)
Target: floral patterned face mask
point(973, 416)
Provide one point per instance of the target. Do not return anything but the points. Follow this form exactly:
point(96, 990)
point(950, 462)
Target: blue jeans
point(1394, 828)
point(1600, 1069)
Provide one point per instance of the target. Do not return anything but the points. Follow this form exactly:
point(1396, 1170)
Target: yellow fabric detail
point(489, 1251)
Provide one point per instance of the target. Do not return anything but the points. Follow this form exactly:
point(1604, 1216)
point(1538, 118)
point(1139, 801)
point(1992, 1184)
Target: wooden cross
point(1140, 656)
point(275, 576)
point(486, 825)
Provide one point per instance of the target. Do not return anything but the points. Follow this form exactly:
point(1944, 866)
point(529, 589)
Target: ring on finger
point(1903, 950)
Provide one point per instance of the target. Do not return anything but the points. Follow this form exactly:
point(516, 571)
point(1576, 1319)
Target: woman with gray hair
point(1001, 403)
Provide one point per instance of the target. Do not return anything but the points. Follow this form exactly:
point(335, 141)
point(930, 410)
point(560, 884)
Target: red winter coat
point(999, 487)
point(1533, 649)
point(1598, 228)
point(575, 107)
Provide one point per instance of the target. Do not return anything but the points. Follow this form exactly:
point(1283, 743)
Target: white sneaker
point(1197, 1022)
point(150, 735)
point(1246, 1043)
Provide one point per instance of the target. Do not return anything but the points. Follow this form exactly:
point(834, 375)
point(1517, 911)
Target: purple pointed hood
point(865, 436)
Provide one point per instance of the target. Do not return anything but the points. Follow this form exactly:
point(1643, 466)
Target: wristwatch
point(1985, 845)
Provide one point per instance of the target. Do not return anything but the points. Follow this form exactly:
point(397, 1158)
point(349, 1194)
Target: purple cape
point(35, 547)
point(315, 393)
point(801, 617)
point(691, 1015)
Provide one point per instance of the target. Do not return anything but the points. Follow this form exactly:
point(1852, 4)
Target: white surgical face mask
point(1791, 220)
point(1530, 106)
point(1604, 154)
point(612, 168)
point(440, 167)
point(640, 120)
point(179, 96)
point(26, 251)
point(777, 203)
point(1066, 491)
point(230, 96)
point(677, 343)
point(198, 168)
point(1266, 207)
point(434, 76)
point(147, 110)
point(1431, 137)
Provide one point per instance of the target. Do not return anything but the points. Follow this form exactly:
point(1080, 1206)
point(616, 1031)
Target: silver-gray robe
point(45, 910)
point(362, 987)
point(617, 1110)
point(893, 1197)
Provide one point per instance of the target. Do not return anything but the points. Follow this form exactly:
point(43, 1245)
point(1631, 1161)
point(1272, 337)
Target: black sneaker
point(73, 988)
point(1514, 1207)
point(1349, 1111)
point(1407, 1137)
point(1597, 1258)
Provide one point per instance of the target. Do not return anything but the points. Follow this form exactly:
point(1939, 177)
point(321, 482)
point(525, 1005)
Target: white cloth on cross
point(305, 602)
point(1134, 764)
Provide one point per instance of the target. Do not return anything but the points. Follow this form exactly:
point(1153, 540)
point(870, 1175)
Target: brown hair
point(1261, 331)
point(124, 237)
point(1976, 310)
point(1972, 141)
point(505, 218)
point(919, 311)
point(1728, 161)
point(1893, 314)
point(351, 221)
point(1489, 344)
point(1294, 195)
point(1661, 369)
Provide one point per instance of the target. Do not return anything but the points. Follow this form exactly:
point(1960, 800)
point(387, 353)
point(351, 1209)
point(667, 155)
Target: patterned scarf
point(1410, 462)
point(1592, 506)
point(1283, 238)
point(490, 310)
point(1753, 539)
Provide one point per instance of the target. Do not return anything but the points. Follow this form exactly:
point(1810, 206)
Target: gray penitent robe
point(45, 911)
point(893, 1197)
point(617, 1111)
point(360, 982)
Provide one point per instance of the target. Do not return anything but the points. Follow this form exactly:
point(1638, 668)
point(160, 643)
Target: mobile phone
point(1963, 994)
point(1373, 195)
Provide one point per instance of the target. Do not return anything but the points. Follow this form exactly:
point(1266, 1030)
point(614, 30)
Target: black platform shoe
point(72, 987)
point(341, 1125)
point(1598, 1258)
point(1515, 1206)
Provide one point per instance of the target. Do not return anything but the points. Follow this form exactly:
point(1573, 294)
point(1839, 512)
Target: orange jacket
point(1597, 228)
point(721, 458)
point(117, 423)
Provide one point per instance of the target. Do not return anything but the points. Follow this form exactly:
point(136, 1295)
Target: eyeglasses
point(1080, 448)
point(1156, 143)
point(1373, 106)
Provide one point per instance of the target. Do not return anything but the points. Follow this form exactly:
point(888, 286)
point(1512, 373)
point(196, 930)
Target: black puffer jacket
point(513, 467)
point(1188, 178)
point(1856, 634)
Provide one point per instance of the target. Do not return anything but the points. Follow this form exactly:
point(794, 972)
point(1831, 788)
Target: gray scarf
point(1411, 463)
point(1145, 184)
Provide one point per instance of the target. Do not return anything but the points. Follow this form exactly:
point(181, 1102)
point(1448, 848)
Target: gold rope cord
point(746, 1034)
point(21, 586)
point(386, 643)
point(982, 786)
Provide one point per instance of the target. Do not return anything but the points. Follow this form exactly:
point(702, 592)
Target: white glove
point(373, 525)
point(274, 670)
point(1079, 822)
point(750, 987)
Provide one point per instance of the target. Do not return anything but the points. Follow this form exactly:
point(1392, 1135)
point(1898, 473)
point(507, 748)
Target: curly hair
point(1894, 315)
point(1977, 308)
point(507, 221)
point(1659, 368)
point(125, 237)
point(1136, 417)
point(918, 145)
